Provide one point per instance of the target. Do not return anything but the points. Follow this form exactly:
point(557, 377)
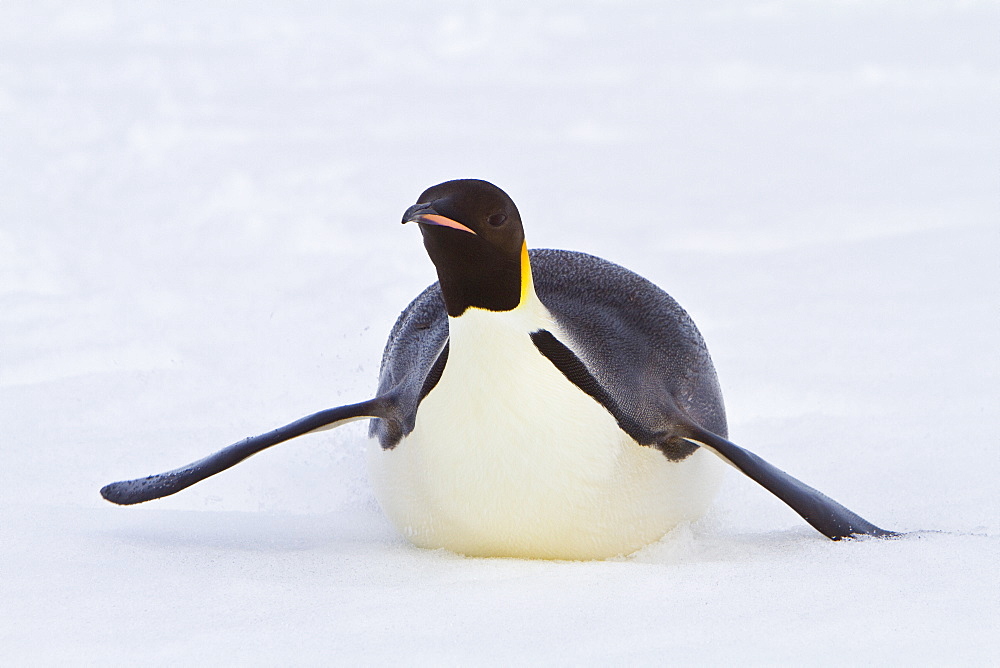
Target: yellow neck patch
point(527, 282)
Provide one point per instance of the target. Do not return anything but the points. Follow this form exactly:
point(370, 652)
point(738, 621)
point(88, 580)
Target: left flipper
point(824, 514)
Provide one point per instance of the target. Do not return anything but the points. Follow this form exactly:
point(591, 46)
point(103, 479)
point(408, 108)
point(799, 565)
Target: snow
point(199, 241)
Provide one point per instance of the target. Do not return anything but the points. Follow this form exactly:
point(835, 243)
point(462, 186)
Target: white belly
point(509, 458)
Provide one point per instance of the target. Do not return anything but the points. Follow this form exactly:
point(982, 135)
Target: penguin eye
point(497, 219)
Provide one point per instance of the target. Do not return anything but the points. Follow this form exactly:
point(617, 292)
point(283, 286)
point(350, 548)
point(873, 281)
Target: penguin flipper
point(824, 514)
point(129, 492)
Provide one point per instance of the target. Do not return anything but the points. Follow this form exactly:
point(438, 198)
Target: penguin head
point(473, 235)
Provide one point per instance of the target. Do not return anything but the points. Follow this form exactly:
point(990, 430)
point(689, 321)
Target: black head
point(472, 232)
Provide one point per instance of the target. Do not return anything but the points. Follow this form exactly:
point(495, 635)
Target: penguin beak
point(424, 214)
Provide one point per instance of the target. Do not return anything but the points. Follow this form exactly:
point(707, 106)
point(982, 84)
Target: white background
point(200, 240)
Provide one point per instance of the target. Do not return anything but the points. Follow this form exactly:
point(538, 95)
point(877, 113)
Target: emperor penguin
point(534, 404)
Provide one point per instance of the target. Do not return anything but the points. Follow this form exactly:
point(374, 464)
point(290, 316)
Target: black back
point(635, 340)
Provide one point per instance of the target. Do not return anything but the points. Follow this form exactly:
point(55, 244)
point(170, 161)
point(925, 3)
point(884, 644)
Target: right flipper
point(129, 492)
point(824, 514)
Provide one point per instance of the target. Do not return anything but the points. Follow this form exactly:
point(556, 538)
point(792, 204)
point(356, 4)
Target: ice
point(200, 241)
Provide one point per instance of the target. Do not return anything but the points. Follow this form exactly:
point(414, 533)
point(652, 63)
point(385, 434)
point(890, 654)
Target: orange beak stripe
point(436, 219)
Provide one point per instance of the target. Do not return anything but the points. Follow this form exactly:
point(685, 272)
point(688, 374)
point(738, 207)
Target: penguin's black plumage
point(545, 404)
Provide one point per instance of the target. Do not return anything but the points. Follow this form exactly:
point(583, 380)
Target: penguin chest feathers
point(509, 458)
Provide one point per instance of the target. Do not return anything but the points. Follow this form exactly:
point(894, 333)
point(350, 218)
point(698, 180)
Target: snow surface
point(199, 240)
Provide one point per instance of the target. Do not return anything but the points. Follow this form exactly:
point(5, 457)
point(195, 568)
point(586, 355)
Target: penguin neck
point(476, 324)
point(485, 282)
